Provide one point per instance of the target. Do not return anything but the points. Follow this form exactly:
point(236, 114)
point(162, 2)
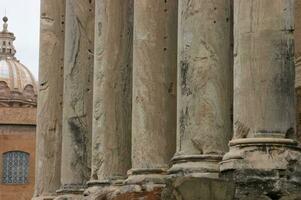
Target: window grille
point(15, 167)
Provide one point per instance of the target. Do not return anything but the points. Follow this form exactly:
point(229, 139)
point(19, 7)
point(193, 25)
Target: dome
point(17, 84)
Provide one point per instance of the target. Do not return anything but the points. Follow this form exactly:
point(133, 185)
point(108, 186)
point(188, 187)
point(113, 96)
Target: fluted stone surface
point(154, 85)
point(204, 85)
point(78, 83)
point(49, 119)
point(112, 89)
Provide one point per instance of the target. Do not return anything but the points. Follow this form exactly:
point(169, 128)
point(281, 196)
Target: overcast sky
point(23, 20)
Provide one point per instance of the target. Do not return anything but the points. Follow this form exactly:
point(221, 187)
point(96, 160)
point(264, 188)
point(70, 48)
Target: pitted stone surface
point(78, 87)
point(154, 83)
point(264, 69)
point(190, 188)
point(204, 77)
point(112, 94)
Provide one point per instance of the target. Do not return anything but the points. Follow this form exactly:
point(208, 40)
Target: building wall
point(18, 137)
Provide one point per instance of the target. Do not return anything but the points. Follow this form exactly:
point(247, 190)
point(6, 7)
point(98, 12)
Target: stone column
point(154, 89)
point(112, 94)
point(50, 98)
point(204, 87)
point(263, 148)
point(77, 106)
point(297, 36)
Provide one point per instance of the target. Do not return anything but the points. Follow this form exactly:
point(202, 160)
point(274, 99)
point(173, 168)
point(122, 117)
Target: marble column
point(154, 89)
point(264, 100)
point(49, 117)
point(112, 94)
point(204, 87)
point(297, 35)
point(78, 87)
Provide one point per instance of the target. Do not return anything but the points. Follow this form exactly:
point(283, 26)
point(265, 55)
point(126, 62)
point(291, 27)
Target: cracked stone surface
point(111, 152)
point(50, 98)
point(264, 69)
point(297, 35)
point(154, 83)
point(78, 87)
point(204, 77)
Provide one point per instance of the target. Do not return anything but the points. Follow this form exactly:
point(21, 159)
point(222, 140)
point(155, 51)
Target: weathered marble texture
point(78, 84)
point(204, 77)
point(154, 83)
point(112, 92)
point(264, 159)
point(49, 117)
point(264, 69)
point(297, 35)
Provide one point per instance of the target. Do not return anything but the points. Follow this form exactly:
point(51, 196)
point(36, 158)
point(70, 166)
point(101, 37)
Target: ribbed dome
point(17, 85)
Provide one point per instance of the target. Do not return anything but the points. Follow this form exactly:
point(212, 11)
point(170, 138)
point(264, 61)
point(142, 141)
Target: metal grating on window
point(15, 167)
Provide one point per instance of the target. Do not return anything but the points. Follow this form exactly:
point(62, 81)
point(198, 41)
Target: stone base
point(194, 188)
point(196, 166)
point(125, 192)
point(145, 184)
point(69, 197)
point(44, 198)
point(70, 192)
point(176, 188)
point(146, 176)
point(264, 168)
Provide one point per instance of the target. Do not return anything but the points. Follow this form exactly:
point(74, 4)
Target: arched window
point(15, 167)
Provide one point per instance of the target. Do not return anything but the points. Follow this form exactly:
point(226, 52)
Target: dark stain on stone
point(290, 133)
point(77, 129)
point(283, 81)
point(170, 88)
point(274, 195)
point(240, 130)
point(184, 118)
point(99, 28)
point(184, 76)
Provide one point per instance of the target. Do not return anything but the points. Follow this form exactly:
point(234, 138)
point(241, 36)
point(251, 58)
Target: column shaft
point(49, 119)
point(263, 147)
point(154, 85)
point(77, 106)
point(263, 69)
point(297, 36)
point(204, 85)
point(112, 92)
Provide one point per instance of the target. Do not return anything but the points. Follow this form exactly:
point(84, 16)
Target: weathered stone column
point(112, 94)
point(77, 106)
point(204, 87)
point(154, 89)
point(264, 158)
point(49, 119)
point(297, 36)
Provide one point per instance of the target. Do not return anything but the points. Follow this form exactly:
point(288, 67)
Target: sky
point(24, 22)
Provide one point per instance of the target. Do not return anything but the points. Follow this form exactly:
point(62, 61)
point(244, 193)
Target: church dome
point(17, 84)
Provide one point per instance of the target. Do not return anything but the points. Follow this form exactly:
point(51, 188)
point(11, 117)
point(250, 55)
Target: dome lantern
point(7, 38)
point(17, 84)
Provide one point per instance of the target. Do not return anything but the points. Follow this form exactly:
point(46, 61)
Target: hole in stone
point(274, 195)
